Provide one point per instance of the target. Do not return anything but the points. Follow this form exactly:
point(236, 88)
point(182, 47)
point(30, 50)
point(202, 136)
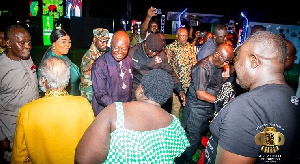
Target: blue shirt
point(206, 49)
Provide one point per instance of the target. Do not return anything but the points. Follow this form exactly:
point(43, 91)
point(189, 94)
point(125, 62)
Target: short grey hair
point(56, 73)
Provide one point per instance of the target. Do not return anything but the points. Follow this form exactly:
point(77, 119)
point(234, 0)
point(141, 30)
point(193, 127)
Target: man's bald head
point(291, 56)
point(222, 55)
point(120, 36)
point(120, 45)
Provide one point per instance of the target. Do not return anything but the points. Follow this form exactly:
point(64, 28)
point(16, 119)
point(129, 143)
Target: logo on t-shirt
point(294, 100)
point(269, 140)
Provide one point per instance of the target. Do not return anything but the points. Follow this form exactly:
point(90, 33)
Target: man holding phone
point(149, 26)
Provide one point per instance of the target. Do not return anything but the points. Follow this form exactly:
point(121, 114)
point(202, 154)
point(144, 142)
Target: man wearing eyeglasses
point(112, 74)
point(201, 95)
point(97, 48)
point(148, 55)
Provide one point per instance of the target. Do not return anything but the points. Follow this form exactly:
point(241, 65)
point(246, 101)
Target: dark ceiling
point(285, 12)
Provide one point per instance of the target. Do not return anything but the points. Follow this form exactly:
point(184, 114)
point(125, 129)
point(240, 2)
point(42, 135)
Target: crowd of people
point(141, 100)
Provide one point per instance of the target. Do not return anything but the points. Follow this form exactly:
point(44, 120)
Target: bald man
point(182, 57)
point(261, 123)
point(201, 95)
point(291, 56)
point(112, 74)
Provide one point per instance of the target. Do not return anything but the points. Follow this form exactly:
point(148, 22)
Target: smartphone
point(158, 11)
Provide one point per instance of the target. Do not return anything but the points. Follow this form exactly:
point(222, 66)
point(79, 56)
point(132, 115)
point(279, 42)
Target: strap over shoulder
point(120, 115)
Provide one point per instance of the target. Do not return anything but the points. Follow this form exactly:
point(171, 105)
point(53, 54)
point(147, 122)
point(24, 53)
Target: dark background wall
point(81, 29)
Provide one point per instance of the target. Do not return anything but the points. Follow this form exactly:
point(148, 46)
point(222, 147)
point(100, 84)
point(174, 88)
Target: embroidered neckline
point(122, 74)
point(53, 93)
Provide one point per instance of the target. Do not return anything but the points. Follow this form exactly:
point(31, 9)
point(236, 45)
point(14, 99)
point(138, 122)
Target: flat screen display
point(73, 8)
point(53, 8)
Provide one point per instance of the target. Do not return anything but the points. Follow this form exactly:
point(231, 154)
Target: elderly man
point(19, 84)
point(182, 57)
point(48, 129)
point(205, 83)
point(219, 36)
point(148, 55)
point(258, 126)
point(112, 74)
point(98, 48)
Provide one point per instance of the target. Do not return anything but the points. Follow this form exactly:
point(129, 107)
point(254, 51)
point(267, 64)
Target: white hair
point(56, 73)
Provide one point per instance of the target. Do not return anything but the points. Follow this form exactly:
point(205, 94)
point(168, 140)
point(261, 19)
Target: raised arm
point(145, 24)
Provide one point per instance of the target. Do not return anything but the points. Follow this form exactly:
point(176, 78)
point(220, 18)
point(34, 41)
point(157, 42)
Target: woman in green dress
point(61, 43)
point(137, 131)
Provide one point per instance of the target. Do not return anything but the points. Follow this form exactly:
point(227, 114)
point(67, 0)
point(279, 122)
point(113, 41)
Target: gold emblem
point(157, 60)
point(269, 139)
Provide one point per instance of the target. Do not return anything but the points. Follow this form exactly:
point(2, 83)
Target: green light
point(34, 8)
point(47, 28)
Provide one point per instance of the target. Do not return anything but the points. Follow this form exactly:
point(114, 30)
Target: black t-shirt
point(241, 126)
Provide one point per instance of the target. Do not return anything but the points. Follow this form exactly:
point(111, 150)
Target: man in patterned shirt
point(182, 57)
point(98, 47)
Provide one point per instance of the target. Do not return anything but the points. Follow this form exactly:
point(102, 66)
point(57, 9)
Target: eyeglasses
point(222, 59)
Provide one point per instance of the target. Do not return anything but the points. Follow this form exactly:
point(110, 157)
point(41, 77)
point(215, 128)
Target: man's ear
point(94, 39)
point(254, 61)
point(140, 90)
point(8, 44)
point(43, 82)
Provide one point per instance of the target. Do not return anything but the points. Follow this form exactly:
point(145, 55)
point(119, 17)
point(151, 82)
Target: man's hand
point(151, 12)
point(5, 145)
point(183, 98)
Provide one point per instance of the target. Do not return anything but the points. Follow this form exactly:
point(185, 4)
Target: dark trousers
point(195, 131)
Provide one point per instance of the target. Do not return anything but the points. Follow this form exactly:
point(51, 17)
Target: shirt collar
point(53, 93)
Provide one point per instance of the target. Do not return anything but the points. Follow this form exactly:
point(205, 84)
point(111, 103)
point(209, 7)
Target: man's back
point(48, 129)
point(251, 114)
